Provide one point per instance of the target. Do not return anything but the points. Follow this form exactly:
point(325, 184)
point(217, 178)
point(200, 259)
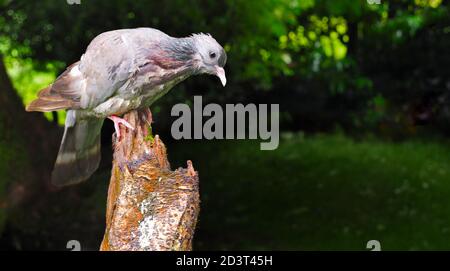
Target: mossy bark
point(149, 207)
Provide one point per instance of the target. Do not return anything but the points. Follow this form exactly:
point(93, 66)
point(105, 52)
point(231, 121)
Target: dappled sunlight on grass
point(322, 192)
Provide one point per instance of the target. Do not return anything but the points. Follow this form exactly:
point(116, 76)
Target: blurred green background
point(364, 94)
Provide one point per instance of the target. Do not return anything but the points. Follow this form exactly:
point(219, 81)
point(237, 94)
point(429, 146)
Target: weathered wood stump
point(149, 207)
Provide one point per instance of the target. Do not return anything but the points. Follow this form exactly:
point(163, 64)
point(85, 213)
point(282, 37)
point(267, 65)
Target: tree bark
point(149, 207)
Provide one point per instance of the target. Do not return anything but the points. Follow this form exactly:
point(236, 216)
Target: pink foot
point(118, 121)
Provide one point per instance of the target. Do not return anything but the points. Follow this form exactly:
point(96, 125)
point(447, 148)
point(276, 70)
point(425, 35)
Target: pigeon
point(121, 70)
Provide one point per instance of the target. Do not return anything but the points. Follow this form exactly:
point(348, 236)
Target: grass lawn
point(321, 193)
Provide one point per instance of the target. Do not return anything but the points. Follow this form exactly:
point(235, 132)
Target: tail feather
point(79, 153)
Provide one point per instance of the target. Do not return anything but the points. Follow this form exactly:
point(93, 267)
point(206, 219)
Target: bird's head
point(210, 56)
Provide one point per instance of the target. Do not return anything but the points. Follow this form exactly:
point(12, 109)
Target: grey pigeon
point(121, 70)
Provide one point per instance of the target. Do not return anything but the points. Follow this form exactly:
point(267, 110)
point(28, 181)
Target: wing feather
point(113, 58)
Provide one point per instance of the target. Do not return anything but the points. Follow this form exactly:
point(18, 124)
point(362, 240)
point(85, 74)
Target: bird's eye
point(212, 55)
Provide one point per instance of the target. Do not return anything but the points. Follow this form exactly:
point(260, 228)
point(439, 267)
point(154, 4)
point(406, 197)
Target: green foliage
point(28, 80)
point(149, 136)
point(338, 50)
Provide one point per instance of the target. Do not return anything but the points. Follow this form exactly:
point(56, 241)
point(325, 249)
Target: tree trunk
point(28, 146)
point(149, 207)
point(23, 136)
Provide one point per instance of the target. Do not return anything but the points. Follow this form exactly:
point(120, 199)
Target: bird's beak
point(220, 72)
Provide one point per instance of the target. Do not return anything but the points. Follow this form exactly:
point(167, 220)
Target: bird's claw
point(118, 121)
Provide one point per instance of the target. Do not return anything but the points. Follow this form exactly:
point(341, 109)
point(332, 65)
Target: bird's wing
point(64, 93)
point(112, 58)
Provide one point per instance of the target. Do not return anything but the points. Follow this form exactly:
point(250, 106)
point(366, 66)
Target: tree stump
point(149, 207)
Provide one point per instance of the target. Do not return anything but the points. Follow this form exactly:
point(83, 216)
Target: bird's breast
point(141, 91)
point(152, 92)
